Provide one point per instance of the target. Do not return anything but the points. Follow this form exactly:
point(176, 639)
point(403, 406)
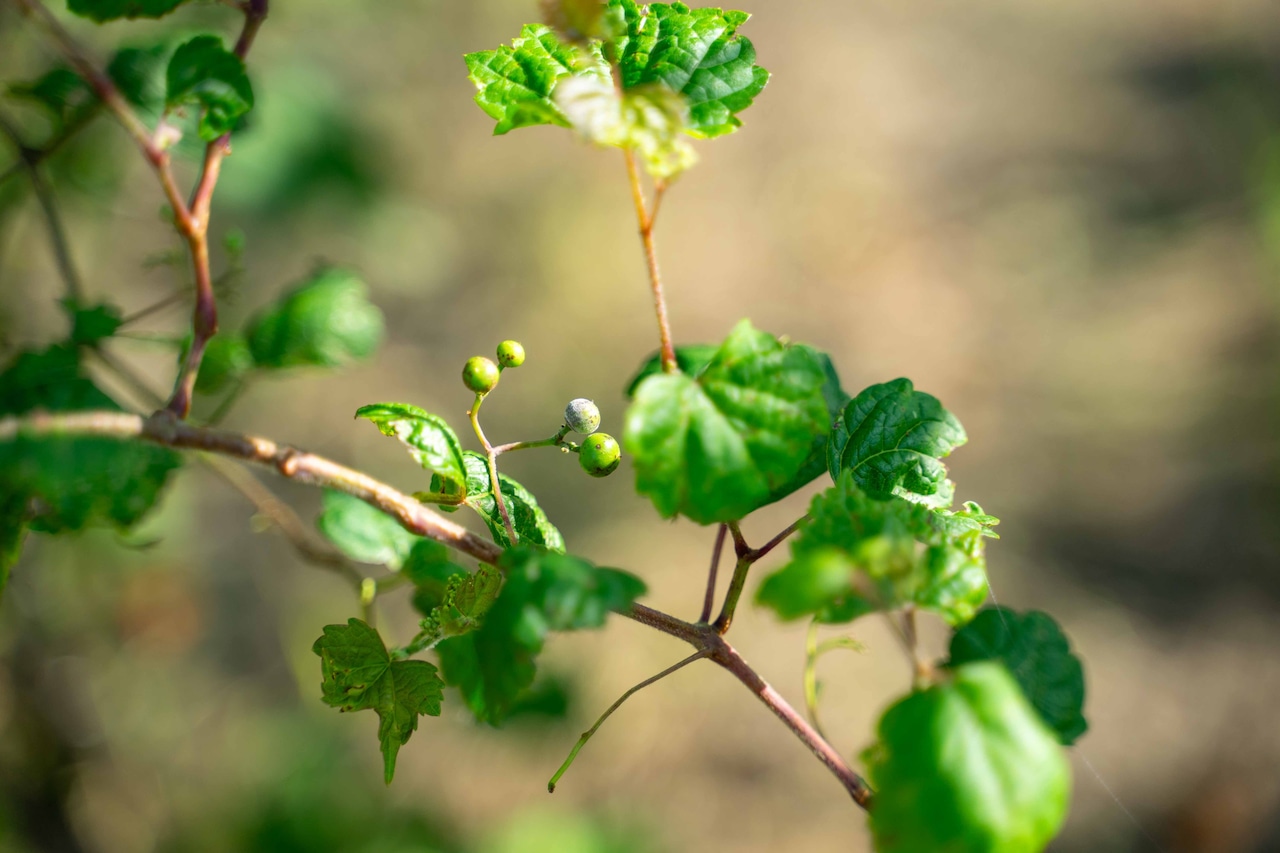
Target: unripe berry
point(600, 455)
point(510, 354)
point(480, 374)
point(582, 416)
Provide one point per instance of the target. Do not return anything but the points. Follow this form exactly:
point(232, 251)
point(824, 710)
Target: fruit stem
point(491, 460)
point(555, 441)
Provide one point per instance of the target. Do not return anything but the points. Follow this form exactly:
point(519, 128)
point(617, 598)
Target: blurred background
point(1063, 219)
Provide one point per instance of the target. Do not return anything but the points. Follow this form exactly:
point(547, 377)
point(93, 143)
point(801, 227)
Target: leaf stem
point(491, 461)
point(645, 220)
point(586, 736)
point(710, 599)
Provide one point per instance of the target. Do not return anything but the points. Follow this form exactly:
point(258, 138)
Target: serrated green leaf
point(359, 674)
point(110, 10)
point(966, 766)
point(690, 359)
point(544, 591)
point(325, 321)
point(203, 73)
point(431, 441)
point(891, 437)
point(515, 83)
point(716, 447)
point(857, 555)
point(531, 523)
point(92, 324)
point(696, 52)
point(227, 360)
point(1036, 650)
point(74, 481)
point(362, 532)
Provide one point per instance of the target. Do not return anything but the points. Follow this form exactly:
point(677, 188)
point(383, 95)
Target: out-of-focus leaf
point(691, 359)
point(359, 674)
point(362, 532)
point(429, 567)
point(715, 447)
point(203, 73)
point(91, 324)
point(110, 10)
point(59, 90)
point(325, 321)
point(13, 529)
point(531, 523)
point(967, 766)
point(73, 481)
point(891, 438)
point(431, 441)
point(227, 360)
point(139, 74)
point(1036, 650)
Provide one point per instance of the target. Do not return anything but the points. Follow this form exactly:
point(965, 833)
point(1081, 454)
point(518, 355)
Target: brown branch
point(710, 599)
point(165, 430)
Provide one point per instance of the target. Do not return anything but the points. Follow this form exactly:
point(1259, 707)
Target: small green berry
point(600, 455)
point(510, 354)
point(582, 416)
point(480, 374)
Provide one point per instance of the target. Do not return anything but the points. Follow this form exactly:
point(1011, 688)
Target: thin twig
point(586, 736)
point(49, 204)
point(645, 221)
point(709, 601)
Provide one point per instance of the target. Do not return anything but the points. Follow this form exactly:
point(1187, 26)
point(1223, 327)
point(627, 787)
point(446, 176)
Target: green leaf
point(1037, 652)
point(359, 674)
point(696, 52)
point(362, 532)
point(891, 437)
point(431, 441)
point(203, 73)
point(463, 602)
point(74, 481)
point(515, 83)
point(110, 10)
point(325, 321)
point(59, 90)
point(139, 74)
point(531, 523)
point(857, 555)
point(89, 325)
point(227, 360)
point(13, 530)
point(690, 359)
point(544, 591)
point(429, 567)
point(966, 766)
point(717, 446)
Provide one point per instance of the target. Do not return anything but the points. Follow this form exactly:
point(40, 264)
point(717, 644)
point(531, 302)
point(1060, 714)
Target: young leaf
point(464, 600)
point(429, 567)
point(110, 10)
point(363, 533)
point(203, 73)
point(1037, 652)
point(430, 440)
point(967, 766)
point(325, 321)
point(494, 666)
point(76, 480)
point(515, 83)
point(696, 52)
point(531, 523)
point(359, 674)
point(891, 437)
point(858, 555)
point(715, 447)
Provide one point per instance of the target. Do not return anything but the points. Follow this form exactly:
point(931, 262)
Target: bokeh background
point(1063, 219)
